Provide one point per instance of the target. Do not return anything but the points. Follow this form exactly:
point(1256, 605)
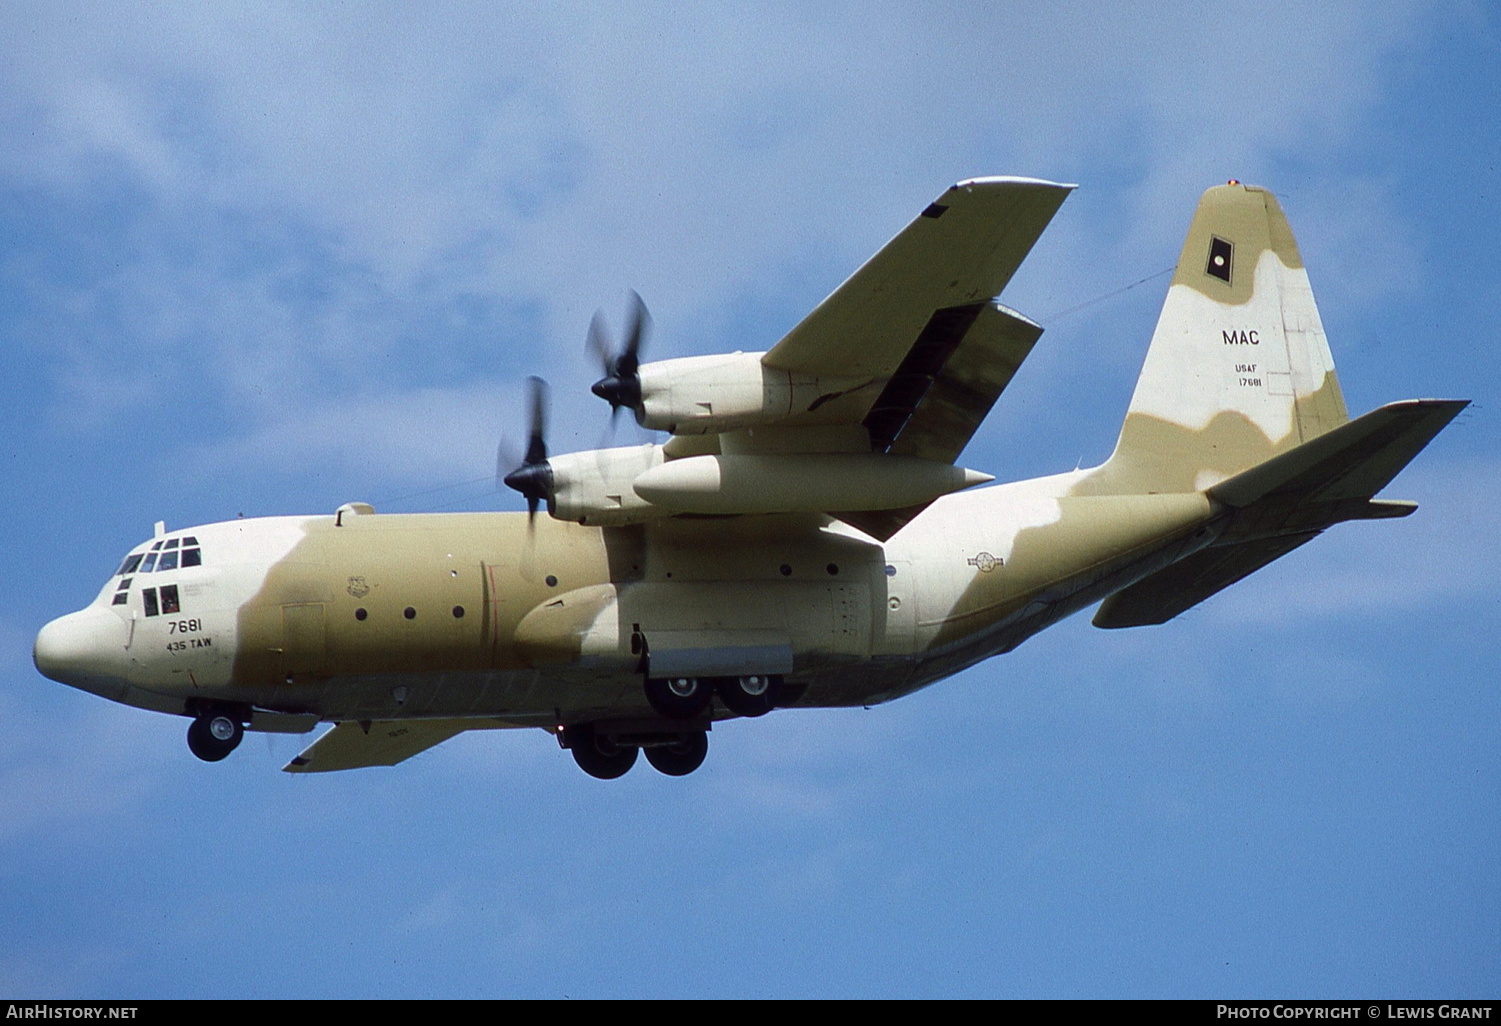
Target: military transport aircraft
point(804, 538)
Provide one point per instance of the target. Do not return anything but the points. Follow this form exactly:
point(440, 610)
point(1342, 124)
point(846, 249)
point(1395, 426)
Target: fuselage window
point(168, 560)
point(122, 593)
point(148, 598)
point(169, 599)
point(190, 557)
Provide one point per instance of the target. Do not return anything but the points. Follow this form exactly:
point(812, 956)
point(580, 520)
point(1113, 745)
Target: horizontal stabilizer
point(1353, 461)
point(1287, 501)
point(1165, 594)
point(356, 744)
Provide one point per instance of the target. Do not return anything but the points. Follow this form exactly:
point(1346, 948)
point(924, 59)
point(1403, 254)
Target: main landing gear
point(609, 753)
point(680, 757)
point(609, 749)
point(683, 698)
point(213, 735)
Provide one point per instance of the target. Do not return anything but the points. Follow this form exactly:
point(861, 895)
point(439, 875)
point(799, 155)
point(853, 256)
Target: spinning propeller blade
point(533, 478)
point(621, 385)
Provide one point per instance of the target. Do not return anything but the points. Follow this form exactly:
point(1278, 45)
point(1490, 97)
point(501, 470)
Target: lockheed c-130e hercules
point(803, 539)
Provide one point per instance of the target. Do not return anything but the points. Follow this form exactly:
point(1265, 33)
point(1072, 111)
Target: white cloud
point(397, 439)
point(569, 153)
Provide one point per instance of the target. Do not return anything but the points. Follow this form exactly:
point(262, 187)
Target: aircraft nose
point(75, 648)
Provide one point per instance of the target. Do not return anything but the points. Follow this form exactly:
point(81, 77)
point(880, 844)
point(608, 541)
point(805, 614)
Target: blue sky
point(268, 259)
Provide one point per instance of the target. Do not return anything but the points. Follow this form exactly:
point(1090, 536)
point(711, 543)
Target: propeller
point(621, 385)
point(534, 477)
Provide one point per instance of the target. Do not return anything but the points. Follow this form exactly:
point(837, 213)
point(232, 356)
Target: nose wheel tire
point(679, 698)
point(681, 757)
point(214, 736)
point(598, 755)
point(754, 695)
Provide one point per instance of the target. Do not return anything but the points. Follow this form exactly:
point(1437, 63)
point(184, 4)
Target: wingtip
point(1012, 180)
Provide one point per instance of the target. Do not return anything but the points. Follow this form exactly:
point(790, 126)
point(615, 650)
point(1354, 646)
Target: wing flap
point(356, 744)
point(958, 400)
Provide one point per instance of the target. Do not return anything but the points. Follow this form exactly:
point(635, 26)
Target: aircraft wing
point(919, 332)
point(355, 744)
point(918, 324)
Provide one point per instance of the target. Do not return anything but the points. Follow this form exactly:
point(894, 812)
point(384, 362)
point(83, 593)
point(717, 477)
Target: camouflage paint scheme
point(415, 627)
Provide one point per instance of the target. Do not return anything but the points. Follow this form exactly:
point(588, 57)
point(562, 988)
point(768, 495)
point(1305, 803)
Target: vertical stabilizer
point(1238, 369)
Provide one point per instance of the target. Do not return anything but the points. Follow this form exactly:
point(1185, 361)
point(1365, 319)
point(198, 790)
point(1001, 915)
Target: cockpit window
point(164, 555)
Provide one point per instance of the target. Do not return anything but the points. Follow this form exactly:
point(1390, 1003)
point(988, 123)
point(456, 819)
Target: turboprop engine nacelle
point(594, 487)
point(696, 395)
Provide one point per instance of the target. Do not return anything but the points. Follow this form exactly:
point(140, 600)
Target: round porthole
point(458, 612)
point(552, 582)
point(833, 569)
point(786, 570)
point(409, 613)
point(360, 614)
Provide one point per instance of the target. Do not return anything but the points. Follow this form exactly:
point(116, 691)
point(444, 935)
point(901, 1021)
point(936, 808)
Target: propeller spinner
point(534, 477)
point(621, 385)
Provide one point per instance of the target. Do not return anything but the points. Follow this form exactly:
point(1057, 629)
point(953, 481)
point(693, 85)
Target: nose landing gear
point(213, 735)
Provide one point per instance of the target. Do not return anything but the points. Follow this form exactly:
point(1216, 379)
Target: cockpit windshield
point(163, 555)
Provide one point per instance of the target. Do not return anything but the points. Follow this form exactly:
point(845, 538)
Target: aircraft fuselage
point(381, 616)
